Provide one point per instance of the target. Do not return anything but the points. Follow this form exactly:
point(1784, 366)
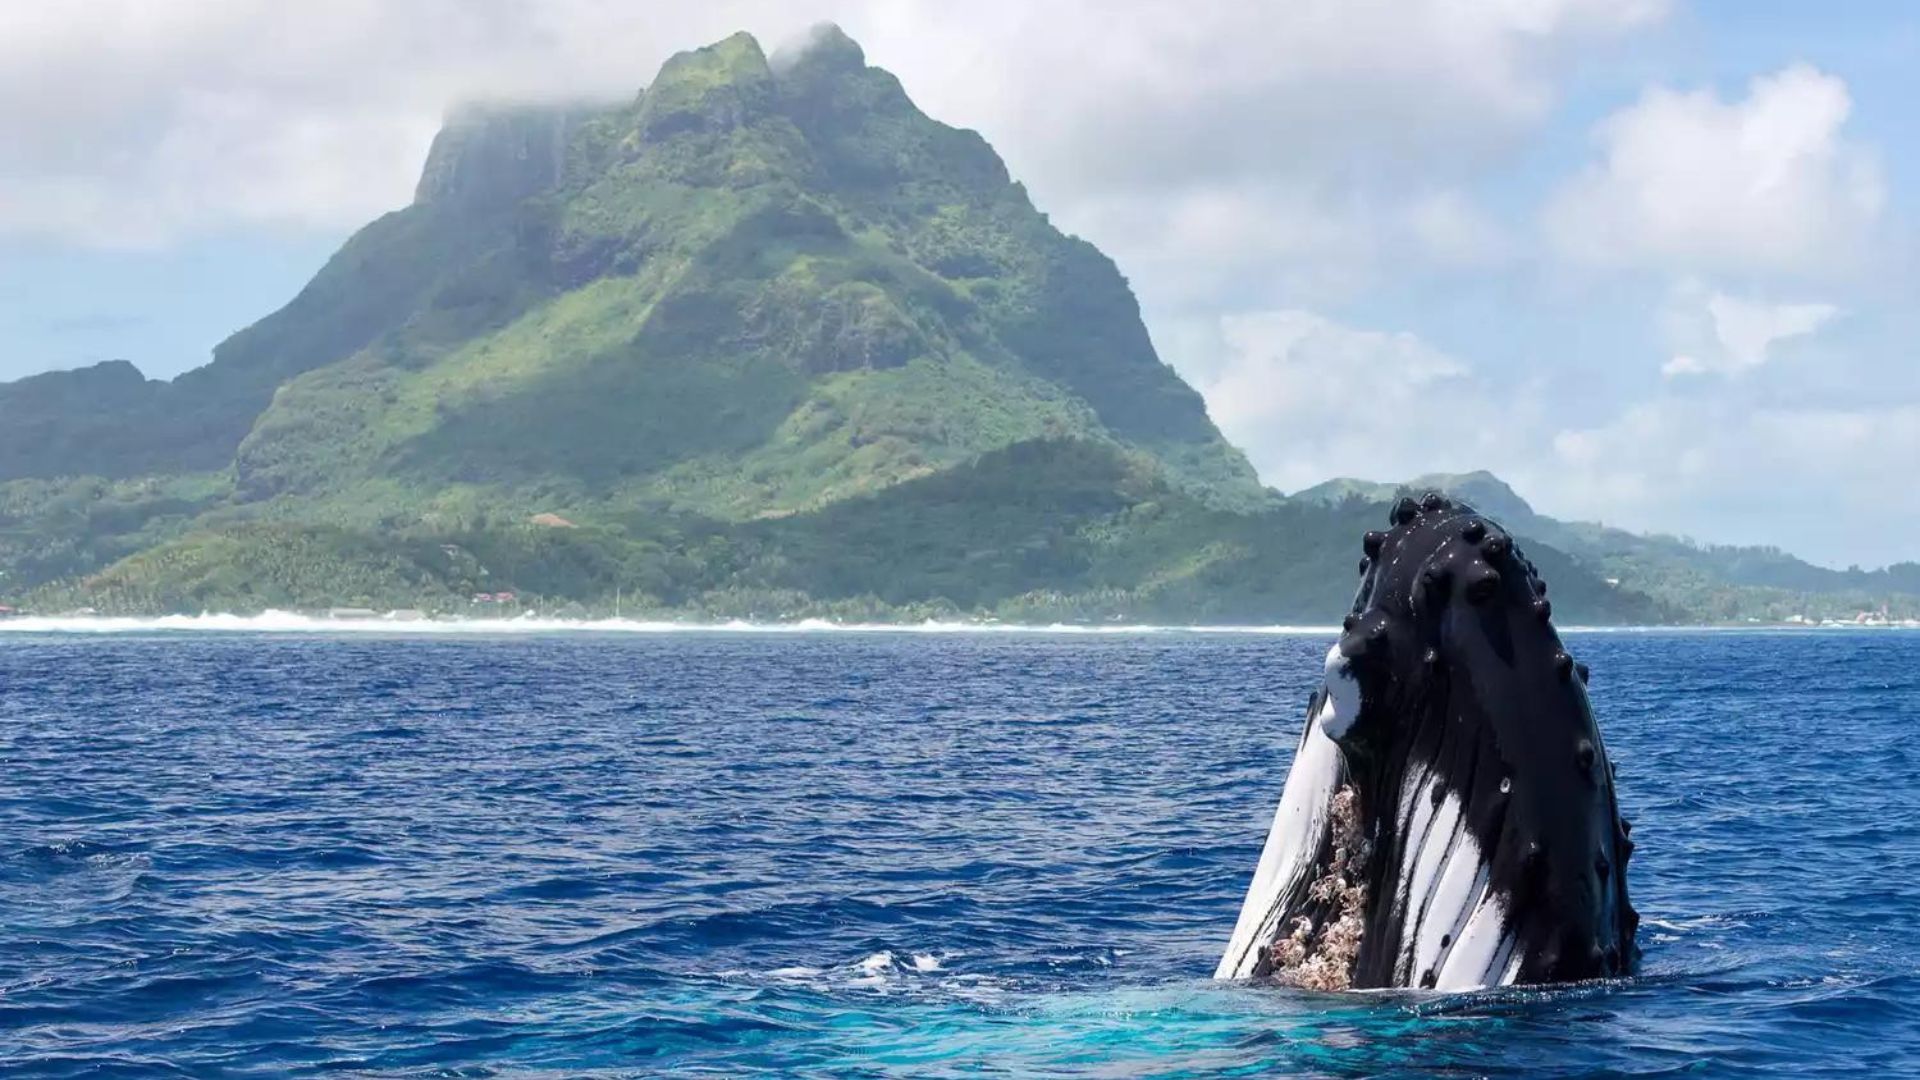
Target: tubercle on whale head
point(1461, 689)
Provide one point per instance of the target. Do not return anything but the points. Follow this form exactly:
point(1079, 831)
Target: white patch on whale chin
point(1292, 842)
point(1343, 696)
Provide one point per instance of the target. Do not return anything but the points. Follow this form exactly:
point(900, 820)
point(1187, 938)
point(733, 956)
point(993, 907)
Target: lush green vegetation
point(1040, 530)
point(765, 340)
point(54, 529)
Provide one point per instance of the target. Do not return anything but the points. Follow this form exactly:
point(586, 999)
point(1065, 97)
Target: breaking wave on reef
point(289, 622)
point(293, 622)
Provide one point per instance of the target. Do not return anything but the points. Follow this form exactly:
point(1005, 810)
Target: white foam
point(288, 622)
point(874, 970)
point(787, 973)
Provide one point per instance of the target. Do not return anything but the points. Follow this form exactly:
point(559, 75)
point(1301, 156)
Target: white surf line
point(286, 622)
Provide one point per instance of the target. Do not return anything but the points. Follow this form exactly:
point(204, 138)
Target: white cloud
point(1804, 477)
point(1452, 230)
point(1205, 246)
point(1309, 399)
point(1694, 183)
point(1254, 156)
point(139, 121)
point(1717, 333)
point(1119, 95)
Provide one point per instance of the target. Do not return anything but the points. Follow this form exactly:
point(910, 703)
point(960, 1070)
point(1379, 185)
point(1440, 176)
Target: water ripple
point(874, 855)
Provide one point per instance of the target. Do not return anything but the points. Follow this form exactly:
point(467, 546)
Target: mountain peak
point(736, 57)
point(824, 47)
point(715, 88)
point(1486, 492)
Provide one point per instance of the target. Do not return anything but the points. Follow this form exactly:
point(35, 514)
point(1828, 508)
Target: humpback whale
point(1449, 821)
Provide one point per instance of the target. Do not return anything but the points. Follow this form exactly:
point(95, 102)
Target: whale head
point(1449, 820)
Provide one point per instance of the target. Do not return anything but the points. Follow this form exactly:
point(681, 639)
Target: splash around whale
point(1449, 821)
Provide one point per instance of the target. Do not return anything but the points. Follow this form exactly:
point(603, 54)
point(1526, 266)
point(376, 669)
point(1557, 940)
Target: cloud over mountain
point(1689, 181)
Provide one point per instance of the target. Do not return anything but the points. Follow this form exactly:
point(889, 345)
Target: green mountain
point(765, 340)
point(748, 291)
point(1487, 492)
point(1705, 583)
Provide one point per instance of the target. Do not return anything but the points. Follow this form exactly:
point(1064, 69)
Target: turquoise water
point(875, 855)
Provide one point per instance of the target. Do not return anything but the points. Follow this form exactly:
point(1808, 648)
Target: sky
point(1652, 262)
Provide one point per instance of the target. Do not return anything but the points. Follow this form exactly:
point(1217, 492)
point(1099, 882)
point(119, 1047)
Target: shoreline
point(285, 622)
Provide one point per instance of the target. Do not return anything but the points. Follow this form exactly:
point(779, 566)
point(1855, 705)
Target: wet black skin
point(1462, 674)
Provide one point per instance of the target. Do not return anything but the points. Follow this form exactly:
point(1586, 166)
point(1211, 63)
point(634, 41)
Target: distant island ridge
point(764, 342)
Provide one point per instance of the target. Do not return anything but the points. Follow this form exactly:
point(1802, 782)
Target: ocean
point(871, 854)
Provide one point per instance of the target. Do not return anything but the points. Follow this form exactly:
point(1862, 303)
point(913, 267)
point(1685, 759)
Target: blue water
point(875, 855)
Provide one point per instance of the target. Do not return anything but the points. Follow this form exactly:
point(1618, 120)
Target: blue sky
point(1651, 261)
